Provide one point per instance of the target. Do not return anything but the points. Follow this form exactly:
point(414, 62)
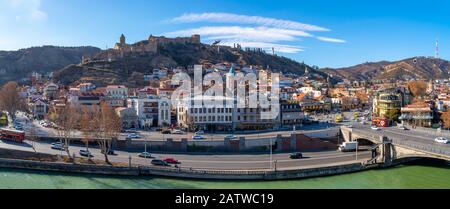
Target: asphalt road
point(206, 161)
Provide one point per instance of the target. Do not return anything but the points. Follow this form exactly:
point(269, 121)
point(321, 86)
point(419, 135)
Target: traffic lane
point(281, 164)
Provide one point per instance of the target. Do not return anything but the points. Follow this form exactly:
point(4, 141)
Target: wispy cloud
point(245, 19)
point(27, 10)
point(244, 33)
point(251, 31)
point(332, 40)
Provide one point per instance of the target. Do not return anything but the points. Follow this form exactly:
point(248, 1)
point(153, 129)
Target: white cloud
point(245, 19)
point(27, 10)
point(332, 40)
point(253, 37)
point(244, 33)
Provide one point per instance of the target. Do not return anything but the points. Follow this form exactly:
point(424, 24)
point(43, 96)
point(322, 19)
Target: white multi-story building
point(205, 117)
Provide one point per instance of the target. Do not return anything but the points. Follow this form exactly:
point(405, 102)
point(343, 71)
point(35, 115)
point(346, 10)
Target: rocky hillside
point(412, 68)
point(130, 68)
point(16, 65)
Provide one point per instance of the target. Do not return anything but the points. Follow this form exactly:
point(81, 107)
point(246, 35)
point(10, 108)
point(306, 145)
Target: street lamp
point(271, 158)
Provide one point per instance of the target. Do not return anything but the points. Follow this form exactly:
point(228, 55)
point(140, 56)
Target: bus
point(12, 135)
point(380, 122)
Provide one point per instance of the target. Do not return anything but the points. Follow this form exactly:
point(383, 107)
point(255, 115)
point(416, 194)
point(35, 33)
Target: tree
point(86, 126)
point(418, 88)
point(10, 100)
point(67, 120)
point(445, 117)
point(105, 127)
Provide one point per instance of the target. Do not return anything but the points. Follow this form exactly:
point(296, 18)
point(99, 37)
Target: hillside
point(412, 68)
point(130, 68)
point(16, 65)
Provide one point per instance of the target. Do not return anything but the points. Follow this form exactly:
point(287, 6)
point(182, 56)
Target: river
point(411, 176)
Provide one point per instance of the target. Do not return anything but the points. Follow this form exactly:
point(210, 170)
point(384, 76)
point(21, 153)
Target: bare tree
point(86, 127)
point(10, 99)
point(110, 125)
point(67, 120)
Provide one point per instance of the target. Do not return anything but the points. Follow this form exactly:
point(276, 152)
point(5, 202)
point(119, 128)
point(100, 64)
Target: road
point(417, 139)
point(206, 161)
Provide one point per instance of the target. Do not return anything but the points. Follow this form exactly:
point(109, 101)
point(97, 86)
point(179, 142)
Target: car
point(19, 128)
point(296, 155)
point(200, 133)
point(145, 155)
point(231, 137)
point(363, 122)
point(110, 152)
point(376, 128)
point(178, 132)
point(441, 140)
point(133, 136)
point(350, 126)
point(158, 162)
point(198, 137)
point(57, 143)
point(166, 132)
point(130, 131)
point(85, 153)
point(58, 147)
point(403, 128)
point(172, 161)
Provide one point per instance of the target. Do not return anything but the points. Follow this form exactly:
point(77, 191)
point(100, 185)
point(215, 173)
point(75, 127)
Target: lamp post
point(271, 158)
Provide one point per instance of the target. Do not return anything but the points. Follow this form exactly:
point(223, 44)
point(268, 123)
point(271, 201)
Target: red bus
point(12, 135)
point(380, 122)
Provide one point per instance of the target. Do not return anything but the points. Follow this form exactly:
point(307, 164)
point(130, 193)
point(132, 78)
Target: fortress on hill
point(152, 43)
point(146, 46)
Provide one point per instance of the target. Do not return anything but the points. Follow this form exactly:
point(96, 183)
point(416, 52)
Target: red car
point(171, 161)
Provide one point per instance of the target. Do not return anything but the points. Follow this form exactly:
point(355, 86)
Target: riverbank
point(415, 175)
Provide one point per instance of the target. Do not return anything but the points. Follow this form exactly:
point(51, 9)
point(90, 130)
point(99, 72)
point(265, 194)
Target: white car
point(441, 140)
point(134, 136)
point(178, 132)
point(198, 137)
point(375, 128)
point(200, 133)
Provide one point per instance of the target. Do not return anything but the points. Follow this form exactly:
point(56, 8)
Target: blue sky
point(323, 33)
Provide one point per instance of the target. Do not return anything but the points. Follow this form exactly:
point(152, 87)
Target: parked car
point(375, 128)
point(198, 137)
point(145, 155)
point(200, 133)
point(57, 143)
point(133, 136)
point(402, 128)
point(166, 132)
point(171, 161)
point(58, 147)
point(178, 132)
point(86, 153)
point(231, 137)
point(110, 152)
point(441, 140)
point(296, 155)
point(158, 162)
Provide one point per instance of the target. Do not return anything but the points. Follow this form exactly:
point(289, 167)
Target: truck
point(348, 147)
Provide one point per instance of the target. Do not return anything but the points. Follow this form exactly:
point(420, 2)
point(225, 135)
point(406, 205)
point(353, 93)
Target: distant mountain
point(412, 68)
point(129, 67)
point(16, 65)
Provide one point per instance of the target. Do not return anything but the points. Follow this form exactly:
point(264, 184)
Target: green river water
point(415, 176)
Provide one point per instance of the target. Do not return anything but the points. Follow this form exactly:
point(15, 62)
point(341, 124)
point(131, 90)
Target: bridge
point(392, 144)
